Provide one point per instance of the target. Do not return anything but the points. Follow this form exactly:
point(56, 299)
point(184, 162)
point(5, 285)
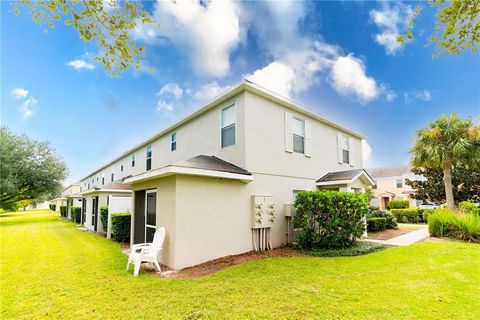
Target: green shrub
point(397, 204)
point(446, 223)
point(391, 220)
point(376, 224)
point(121, 226)
point(63, 211)
point(53, 207)
point(104, 217)
point(76, 212)
point(406, 215)
point(469, 207)
point(329, 219)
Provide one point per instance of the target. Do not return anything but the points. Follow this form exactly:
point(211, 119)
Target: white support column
point(109, 219)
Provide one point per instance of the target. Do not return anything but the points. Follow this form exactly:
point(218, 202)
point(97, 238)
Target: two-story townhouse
point(389, 184)
point(197, 177)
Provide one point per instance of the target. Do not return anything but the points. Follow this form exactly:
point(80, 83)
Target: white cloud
point(209, 91)
point(206, 32)
point(349, 78)
point(422, 95)
point(26, 108)
point(19, 93)
point(366, 154)
point(80, 64)
point(171, 89)
point(390, 22)
point(276, 76)
point(163, 106)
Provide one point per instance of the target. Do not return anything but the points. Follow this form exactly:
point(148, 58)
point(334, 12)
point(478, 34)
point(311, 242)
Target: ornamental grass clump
point(457, 225)
point(329, 219)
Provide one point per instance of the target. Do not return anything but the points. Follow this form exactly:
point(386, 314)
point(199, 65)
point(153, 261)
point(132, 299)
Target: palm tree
point(444, 143)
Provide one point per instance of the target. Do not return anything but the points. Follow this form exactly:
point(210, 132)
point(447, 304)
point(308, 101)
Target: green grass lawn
point(50, 269)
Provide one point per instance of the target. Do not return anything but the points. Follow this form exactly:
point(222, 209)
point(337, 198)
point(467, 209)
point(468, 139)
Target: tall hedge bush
point(391, 221)
point(52, 206)
point(376, 224)
point(329, 219)
point(76, 212)
point(121, 226)
point(398, 204)
point(63, 211)
point(104, 217)
point(406, 215)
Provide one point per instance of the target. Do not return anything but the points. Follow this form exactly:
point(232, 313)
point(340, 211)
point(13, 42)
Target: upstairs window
point(111, 177)
point(298, 130)
point(173, 142)
point(345, 147)
point(149, 158)
point(375, 184)
point(228, 126)
point(103, 178)
point(133, 160)
point(121, 166)
point(399, 183)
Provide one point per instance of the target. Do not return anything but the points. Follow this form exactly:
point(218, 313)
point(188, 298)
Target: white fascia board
point(104, 191)
point(173, 170)
point(331, 183)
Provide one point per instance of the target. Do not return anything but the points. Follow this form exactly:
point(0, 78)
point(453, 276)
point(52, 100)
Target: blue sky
point(337, 58)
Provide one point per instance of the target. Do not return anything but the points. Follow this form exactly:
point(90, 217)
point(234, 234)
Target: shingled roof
point(211, 163)
point(389, 171)
point(340, 175)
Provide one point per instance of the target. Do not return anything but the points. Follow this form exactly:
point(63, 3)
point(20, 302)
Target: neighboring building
point(66, 197)
point(35, 205)
point(201, 177)
point(390, 185)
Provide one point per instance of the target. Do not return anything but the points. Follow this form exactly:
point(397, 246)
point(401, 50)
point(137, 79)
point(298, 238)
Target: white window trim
point(294, 134)
point(173, 141)
point(234, 104)
point(146, 157)
point(149, 225)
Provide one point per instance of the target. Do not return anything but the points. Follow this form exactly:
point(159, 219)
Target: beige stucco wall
point(265, 143)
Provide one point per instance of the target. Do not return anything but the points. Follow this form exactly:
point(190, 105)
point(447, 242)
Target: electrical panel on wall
point(263, 211)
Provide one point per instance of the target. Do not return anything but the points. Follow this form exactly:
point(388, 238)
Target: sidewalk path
point(406, 239)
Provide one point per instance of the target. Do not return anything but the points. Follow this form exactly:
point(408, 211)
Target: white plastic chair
point(147, 252)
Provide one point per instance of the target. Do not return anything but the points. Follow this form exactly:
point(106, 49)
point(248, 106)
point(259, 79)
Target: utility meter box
point(263, 211)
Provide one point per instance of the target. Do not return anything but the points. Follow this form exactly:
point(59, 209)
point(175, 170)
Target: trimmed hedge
point(104, 217)
point(63, 211)
point(53, 207)
point(446, 223)
point(329, 219)
point(397, 204)
point(376, 224)
point(469, 207)
point(121, 226)
point(391, 220)
point(406, 215)
point(76, 212)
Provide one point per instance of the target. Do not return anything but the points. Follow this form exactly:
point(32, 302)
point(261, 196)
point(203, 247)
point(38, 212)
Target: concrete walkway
point(405, 239)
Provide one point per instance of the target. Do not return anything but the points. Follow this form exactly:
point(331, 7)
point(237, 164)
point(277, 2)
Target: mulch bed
point(221, 263)
point(388, 234)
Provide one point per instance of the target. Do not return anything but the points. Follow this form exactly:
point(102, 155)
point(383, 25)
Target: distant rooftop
point(384, 172)
point(340, 175)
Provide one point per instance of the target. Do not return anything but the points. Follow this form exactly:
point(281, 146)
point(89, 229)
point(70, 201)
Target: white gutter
point(173, 170)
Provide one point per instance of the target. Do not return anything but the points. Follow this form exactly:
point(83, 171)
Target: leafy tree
point(23, 204)
point(457, 27)
point(29, 169)
point(109, 23)
point(445, 143)
point(465, 184)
